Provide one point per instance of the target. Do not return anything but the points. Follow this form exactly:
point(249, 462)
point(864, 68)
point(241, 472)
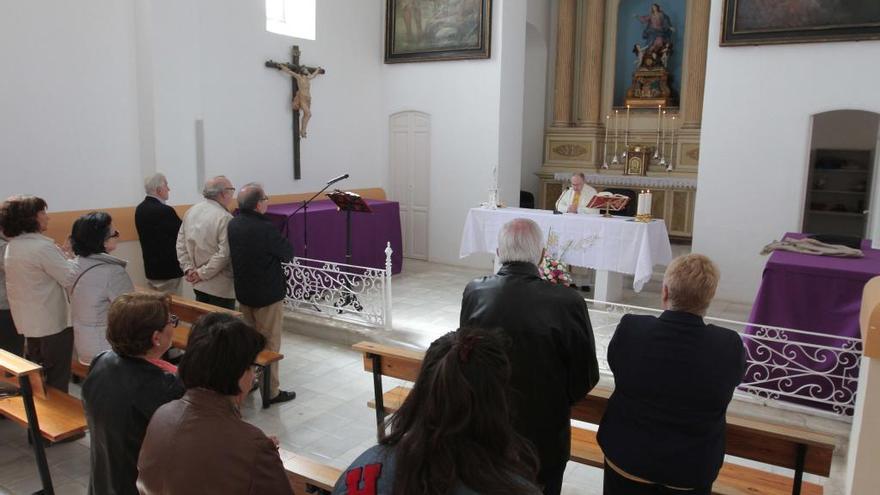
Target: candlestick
point(615, 161)
point(657, 148)
point(669, 167)
point(626, 135)
point(663, 140)
point(605, 144)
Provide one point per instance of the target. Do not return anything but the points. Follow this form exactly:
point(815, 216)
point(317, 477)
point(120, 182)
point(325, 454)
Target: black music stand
point(349, 202)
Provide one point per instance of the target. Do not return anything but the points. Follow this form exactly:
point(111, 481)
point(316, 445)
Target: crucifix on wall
point(301, 97)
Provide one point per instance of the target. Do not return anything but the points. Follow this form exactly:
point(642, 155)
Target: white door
point(410, 166)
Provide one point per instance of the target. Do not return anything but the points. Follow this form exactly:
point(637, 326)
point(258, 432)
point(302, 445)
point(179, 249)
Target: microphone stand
point(305, 208)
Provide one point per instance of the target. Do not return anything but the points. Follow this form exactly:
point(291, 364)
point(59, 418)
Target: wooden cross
point(295, 66)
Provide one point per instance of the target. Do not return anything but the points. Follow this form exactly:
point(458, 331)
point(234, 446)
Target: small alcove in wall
point(842, 171)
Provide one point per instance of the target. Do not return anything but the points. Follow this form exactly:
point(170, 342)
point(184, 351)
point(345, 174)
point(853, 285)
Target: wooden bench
point(307, 476)
point(189, 311)
point(45, 411)
point(794, 448)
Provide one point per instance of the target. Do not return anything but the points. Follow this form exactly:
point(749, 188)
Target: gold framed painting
point(433, 30)
point(762, 22)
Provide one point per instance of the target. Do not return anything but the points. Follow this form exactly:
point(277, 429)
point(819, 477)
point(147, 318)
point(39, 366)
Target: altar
point(613, 246)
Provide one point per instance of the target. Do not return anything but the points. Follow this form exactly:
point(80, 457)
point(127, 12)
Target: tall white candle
point(671, 146)
point(648, 199)
point(626, 133)
point(605, 145)
point(641, 205)
point(659, 115)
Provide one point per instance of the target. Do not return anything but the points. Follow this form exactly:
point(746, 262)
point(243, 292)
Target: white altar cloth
point(616, 244)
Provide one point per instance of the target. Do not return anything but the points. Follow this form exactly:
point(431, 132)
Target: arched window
point(294, 18)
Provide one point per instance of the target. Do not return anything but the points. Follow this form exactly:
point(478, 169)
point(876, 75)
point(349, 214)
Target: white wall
point(756, 141)
point(464, 101)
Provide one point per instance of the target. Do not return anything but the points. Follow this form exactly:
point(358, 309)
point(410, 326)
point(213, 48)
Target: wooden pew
point(794, 448)
point(307, 476)
point(189, 311)
point(43, 410)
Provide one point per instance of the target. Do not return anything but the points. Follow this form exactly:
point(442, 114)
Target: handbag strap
point(72, 287)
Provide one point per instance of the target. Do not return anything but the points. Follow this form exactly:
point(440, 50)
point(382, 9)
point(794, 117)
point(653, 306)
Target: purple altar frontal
point(369, 232)
point(821, 296)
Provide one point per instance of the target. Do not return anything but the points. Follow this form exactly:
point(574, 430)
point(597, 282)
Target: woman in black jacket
point(125, 386)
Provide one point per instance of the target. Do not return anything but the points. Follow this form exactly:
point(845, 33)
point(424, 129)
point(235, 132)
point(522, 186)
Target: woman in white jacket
point(36, 274)
point(98, 280)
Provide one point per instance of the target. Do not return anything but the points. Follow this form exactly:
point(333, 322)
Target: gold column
point(592, 36)
point(565, 34)
point(697, 44)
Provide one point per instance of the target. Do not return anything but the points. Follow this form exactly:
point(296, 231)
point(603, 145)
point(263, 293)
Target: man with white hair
point(203, 245)
point(552, 352)
point(576, 198)
point(157, 226)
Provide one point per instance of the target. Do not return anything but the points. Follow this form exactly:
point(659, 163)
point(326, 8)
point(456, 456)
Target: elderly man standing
point(203, 246)
point(674, 376)
point(552, 354)
point(576, 198)
point(258, 249)
point(157, 227)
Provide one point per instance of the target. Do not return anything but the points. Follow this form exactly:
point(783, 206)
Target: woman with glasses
point(98, 280)
point(126, 385)
point(200, 444)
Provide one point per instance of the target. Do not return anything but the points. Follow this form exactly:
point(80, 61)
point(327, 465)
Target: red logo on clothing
point(370, 478)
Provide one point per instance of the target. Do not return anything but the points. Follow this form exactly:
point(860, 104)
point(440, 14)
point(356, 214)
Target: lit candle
point(626, 134)
point(641, 205)
point(616, 120)
point(671, 146)
point(659, 116)
point(605, 144)
point(648, 198)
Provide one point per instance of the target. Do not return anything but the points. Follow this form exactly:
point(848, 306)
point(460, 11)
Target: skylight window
point(294, 18)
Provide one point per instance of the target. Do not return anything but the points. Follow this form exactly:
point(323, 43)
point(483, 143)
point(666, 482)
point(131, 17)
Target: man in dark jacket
point(673, 379)
point(157, 225)
point(553, 354)
point(257, 250)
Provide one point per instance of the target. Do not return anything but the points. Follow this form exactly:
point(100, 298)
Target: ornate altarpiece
point(586, 51)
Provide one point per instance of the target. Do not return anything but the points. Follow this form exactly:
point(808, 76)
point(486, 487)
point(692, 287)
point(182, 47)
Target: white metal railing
point(340, 291)
point(810, 369)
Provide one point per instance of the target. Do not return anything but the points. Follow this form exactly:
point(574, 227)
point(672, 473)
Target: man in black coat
point(157, 225)
point(552, 354)
point(674, 377)
point(257, 250)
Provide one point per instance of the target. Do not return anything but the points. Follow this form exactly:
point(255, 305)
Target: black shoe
point(283, 396)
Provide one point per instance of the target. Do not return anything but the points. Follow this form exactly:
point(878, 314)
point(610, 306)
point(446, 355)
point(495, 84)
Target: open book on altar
point(608, 201)
point(349, 201)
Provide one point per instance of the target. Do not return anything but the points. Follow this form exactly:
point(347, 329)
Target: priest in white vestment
point(575, 198)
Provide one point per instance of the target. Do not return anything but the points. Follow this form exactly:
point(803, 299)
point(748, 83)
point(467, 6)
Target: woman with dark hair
point(98, 280)
point(200, 444)
point(37, 273)
point(453, 434)
point(126, 385)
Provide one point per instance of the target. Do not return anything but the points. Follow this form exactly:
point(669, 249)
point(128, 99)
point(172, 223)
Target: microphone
point(337, 179)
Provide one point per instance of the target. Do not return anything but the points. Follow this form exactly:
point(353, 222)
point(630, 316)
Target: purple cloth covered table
point(369, 232)
point(819, 294)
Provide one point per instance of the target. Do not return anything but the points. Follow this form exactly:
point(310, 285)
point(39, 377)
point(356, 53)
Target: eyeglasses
point(113, 235)
point(173, 320)
point(229, 189)
point(264, 198)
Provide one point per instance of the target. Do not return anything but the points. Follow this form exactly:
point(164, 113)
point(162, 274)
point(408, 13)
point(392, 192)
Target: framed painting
point(761, 22)
point(429, 30)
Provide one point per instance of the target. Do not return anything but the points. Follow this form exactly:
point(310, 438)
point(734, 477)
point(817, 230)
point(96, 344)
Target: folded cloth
point(812, 246)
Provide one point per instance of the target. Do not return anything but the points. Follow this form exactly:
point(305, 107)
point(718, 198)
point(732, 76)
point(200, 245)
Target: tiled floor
point(330, 420)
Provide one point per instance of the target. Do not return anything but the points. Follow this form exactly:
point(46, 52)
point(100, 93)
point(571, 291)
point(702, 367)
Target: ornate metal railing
point(783, 365)
point(352, 293)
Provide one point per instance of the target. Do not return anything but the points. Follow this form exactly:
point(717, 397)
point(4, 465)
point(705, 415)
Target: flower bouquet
point(551, 268)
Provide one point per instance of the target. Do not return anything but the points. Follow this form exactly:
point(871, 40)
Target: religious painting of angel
point(427, 30)
point(650, 35)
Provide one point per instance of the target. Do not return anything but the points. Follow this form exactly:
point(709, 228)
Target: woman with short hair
point(37, 272)
point(674, 376)
point(453, 433)
point(200, 444)
point(98, 280)
point(126, 385)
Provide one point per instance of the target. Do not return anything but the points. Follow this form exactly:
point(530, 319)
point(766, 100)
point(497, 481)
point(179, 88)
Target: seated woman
point(453, 434)
point(663, 430)
point(199, 444)
point(126, 385)
point(98, 280)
